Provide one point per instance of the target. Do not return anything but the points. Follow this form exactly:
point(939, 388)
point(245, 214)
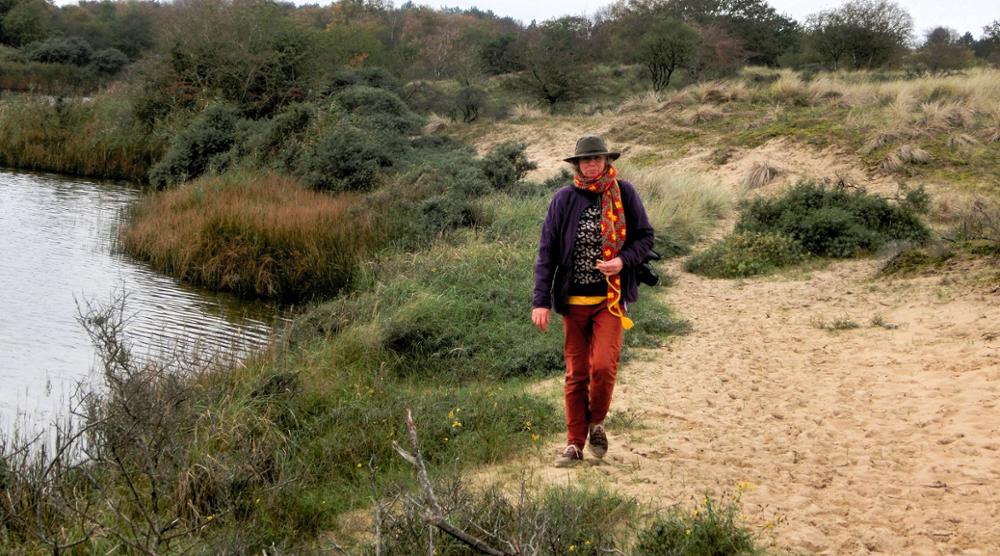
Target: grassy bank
point(92, 138)
point(273, 451)
point(255, 235)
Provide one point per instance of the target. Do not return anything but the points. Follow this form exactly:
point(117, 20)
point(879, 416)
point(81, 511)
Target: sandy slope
point(868, 440)
point(872, 440)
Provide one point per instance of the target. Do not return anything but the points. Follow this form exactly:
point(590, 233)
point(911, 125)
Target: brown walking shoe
point(569, 457)
point(598, 441)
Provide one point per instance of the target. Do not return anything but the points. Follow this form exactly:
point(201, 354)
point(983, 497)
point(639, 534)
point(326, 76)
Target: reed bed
point(259, 236)
point(83, 137)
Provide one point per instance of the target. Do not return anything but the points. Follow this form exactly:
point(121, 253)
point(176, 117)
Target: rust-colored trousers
point(593, 343)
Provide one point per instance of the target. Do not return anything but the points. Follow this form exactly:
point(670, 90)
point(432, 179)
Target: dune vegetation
point(388, 169)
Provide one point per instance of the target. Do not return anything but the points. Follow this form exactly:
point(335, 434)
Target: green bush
point(202, 146)
point(506, 164)
point(378, 109)
point(833, 222)
point(278, 141)
point(710, 530)
point(59, 50)
point(346, 158)
point(372, 77)
point(425, 98)
point(746, 254)
point(109, 61)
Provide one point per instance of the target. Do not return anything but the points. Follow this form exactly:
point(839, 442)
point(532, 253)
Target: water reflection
point(57, 252)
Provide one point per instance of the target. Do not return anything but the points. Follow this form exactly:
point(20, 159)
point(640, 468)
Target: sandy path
point(856, 441)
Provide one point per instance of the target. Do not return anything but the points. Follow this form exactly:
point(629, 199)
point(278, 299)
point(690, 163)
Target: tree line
point(263, 54)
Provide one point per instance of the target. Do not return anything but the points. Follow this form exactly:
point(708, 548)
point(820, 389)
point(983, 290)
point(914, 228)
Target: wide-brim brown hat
point(592, 145)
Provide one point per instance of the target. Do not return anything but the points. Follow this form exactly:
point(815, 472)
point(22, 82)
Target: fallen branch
point(433, 513)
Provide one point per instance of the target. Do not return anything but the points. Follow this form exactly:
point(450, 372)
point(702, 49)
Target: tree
point(499, 55)
point(721, 54)
point(763, 32)
point(555, 59)
point(988, 46)
point(666, 47)
point(247, 54)
point(943, 50)
point(860, 34)
point(27, 21)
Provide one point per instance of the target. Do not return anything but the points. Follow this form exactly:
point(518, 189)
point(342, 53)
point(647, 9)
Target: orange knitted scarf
point(612, 231)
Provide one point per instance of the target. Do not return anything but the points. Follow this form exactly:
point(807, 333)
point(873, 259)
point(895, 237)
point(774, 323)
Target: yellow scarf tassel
point(614, 298)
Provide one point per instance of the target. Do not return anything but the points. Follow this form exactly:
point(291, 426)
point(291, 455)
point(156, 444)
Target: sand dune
point(872, 440)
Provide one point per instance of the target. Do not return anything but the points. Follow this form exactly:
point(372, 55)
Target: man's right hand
point(540, 318)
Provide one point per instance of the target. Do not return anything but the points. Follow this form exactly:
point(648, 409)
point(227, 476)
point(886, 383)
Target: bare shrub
point(524, 111)
point(759, 174)
point(138, 462)
point(978, 221)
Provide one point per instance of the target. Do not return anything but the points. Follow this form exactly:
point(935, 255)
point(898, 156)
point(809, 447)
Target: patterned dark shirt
point(587, 280)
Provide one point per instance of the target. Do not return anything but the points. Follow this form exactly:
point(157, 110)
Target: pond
point(57, 253)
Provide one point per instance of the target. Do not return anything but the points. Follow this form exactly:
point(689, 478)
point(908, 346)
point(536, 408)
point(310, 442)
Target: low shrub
point(833, 222)
point(201, 147)
point(347, 158)
point(506, 164)
point(745, 254)
point(426, 98)
point(109, 61)
point(369, 76)
point(59, 50)
point(712, 529)
point(279, 141)
point(378, 109)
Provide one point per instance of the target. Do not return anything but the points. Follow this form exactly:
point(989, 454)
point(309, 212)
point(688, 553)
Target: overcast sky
point(961, 15)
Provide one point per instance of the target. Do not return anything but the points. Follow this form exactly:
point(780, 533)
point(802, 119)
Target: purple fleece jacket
point(554, 265)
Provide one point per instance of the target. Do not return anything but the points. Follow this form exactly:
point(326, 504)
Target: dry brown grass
point(265, 236)
point(944, 116)
point(884, 138)
point(681, 206)
point(436, 124)
point(647, 101)
point(759, 174)
point(962, 141)
point(524, 111)
point(701, 114)
point(903, 157)
point(718, 92)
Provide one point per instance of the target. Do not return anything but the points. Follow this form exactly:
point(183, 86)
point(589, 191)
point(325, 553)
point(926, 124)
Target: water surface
point(57, 253)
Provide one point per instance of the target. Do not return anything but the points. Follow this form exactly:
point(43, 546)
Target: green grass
point(273, 451)
point(559, 520)
point(712, 528)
